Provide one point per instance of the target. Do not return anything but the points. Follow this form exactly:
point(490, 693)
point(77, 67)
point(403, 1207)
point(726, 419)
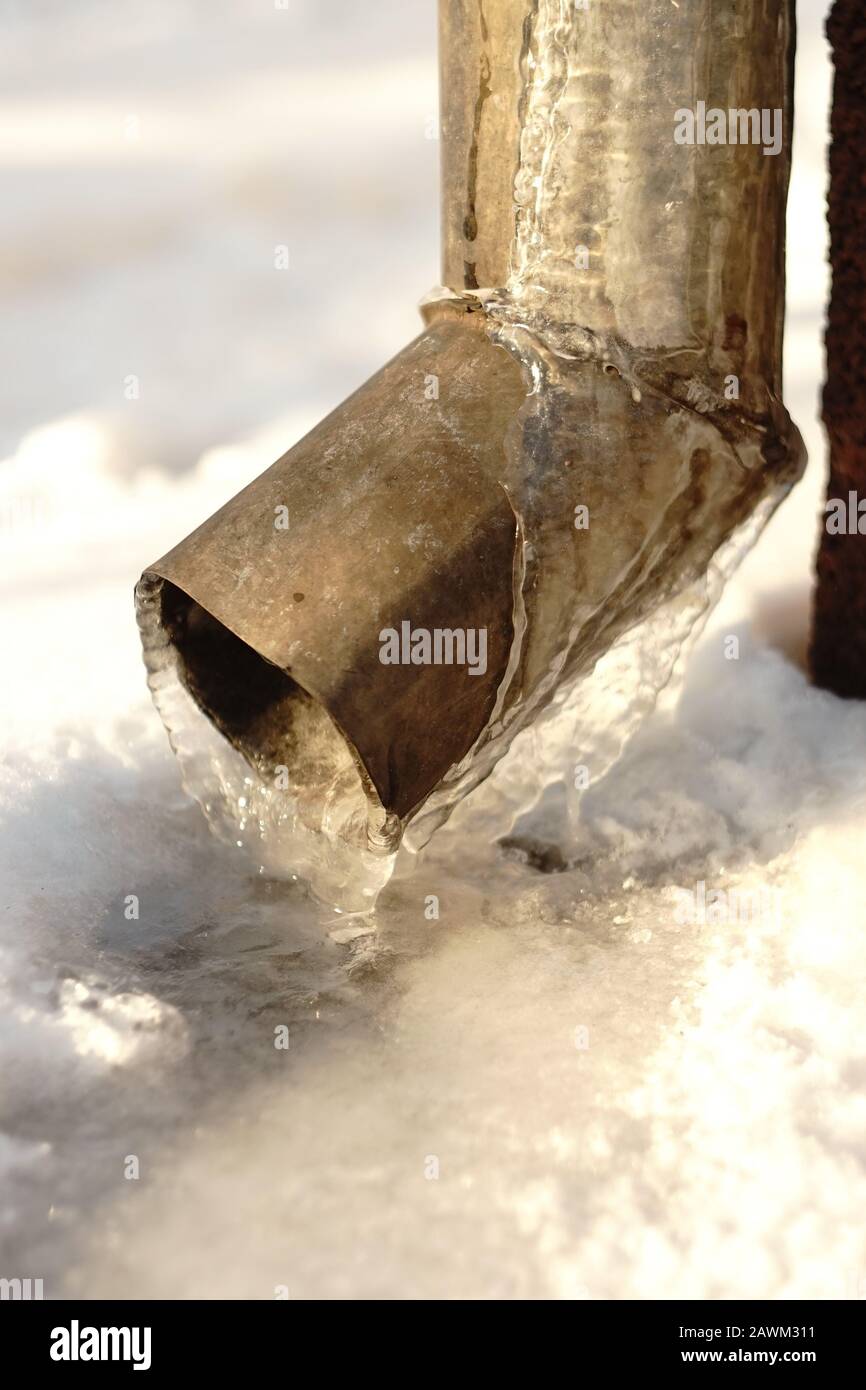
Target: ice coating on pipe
point(588, 427)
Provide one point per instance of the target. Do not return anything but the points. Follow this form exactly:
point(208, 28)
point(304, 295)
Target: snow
point(621, 1099)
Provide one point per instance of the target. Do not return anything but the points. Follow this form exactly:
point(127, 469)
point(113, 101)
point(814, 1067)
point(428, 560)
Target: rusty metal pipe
point(592, 409)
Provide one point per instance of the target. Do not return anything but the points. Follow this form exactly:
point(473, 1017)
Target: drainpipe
point(592, 410)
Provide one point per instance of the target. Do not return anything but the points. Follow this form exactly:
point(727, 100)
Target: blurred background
point(218, 218)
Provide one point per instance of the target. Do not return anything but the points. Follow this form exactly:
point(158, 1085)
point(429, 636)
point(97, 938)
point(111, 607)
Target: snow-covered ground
point(570, 1084)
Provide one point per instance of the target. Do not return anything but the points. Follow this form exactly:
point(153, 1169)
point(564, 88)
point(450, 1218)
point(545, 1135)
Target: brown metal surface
point(838, 651)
